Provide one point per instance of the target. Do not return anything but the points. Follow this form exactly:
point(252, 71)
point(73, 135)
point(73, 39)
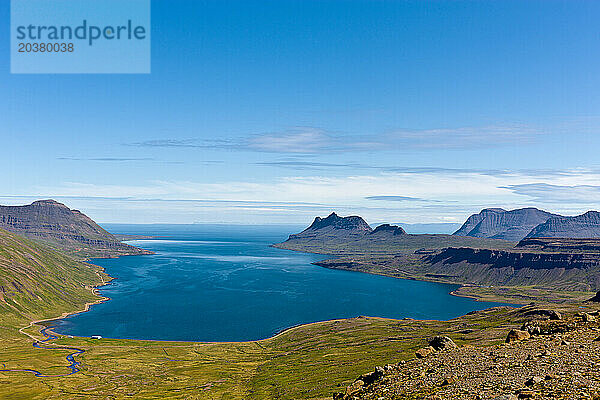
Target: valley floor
point(308, 362)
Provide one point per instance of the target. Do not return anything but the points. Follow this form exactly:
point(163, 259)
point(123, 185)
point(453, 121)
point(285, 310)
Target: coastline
point(283, 331)
point(454, 292)
point(66, 314)
point(521, 295)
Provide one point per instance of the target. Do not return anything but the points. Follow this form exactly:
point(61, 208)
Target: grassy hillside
point(307, 362)
point(37, 282)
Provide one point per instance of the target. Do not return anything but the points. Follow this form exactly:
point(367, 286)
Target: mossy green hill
point(38, 282)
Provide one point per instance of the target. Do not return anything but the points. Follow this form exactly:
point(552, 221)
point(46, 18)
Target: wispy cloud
point(299, 164)
point(414, 195)
point(548, 193)
point(106, 159)
point(134, 159)
point(310, 140)
point(187, 143)
point(398, 198)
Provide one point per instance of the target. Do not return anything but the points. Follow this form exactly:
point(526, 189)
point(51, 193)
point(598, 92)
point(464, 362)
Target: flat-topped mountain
point(334, 225)
point(69, 230)
point(497, 223)
point(582, 226)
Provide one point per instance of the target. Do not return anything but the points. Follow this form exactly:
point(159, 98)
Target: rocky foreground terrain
point(551, 356)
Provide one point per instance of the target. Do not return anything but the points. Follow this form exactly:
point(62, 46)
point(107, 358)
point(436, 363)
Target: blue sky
point(276, 111)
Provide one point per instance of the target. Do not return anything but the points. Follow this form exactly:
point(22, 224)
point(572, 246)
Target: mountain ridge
point(71, 231)
point(497, 223)
point(586, 225)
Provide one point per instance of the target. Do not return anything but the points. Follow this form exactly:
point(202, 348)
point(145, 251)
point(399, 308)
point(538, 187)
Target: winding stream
point(73, 364)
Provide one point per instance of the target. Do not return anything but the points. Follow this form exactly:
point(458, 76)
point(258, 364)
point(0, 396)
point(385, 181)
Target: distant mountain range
point(490, 223)
point(515, 225)
point(54, 224)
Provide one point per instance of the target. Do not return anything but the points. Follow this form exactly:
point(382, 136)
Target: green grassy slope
point(37, 282)
point(307, 362)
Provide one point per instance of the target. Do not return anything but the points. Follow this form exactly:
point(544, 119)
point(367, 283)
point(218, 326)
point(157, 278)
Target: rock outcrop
point(53, 223)
point(500, 224)
point(387, 229)
point(335, 225)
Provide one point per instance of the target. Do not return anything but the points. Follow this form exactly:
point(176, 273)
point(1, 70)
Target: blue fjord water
point(224, 283)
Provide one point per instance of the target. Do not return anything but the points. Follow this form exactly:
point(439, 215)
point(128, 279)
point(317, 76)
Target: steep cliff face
point(582, 226)
point(515, 259)
point(565, 270)
point(69, 230)
point(507, 225)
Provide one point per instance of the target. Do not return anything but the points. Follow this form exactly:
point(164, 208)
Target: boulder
point(424, 352)
point(371, 377)
point(355, 387)
point(533, 381)
point(516, 335)
point(551, 314)
point(442, 343)
point(450, 380)
point(588, 317)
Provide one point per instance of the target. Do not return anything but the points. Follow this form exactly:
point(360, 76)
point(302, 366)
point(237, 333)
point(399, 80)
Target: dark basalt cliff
point(500, 224)
point(582, 226)
point(515, 259)
point(55, 224)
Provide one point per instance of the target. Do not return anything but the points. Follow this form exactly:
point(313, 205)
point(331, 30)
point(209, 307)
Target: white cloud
point(443, 197)
point(310, 140)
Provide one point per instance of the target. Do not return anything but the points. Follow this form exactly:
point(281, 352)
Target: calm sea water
point(224, 283)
